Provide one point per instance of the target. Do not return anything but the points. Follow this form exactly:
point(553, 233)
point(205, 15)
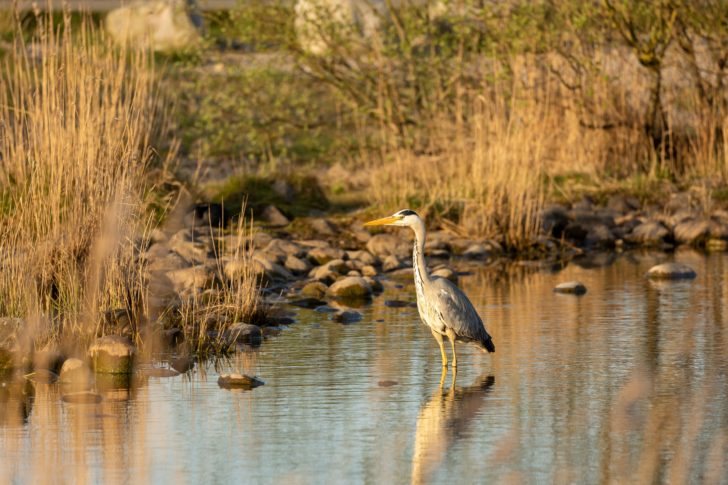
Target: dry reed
point(76, 116)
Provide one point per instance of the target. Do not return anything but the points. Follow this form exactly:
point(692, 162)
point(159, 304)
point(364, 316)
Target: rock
point(112, 354)
point(244, 333)
point(163, 25)
point(10, 329)
point(623, 203)
point(324, 255)
point(190, 245)
point(261, 239)
point(284, 248)
point(439, 253)
point(297, 265)
point(196, 277)
point(75, 371)
point(650, 233)
point(554, 220)
point(387, 383)
point(169, 262)
point(273, 271)
point(84, 397)
point(315, 289)
point(599, 235)
point(476, 251)
point(309, 303)
point(272, 216)
point(353, 272)
point(392, 263)
point(368, 270)
point(314, 20)
point(238, 381)
point(350, 287)
point(446, 273)
point(364, 256)
point(324, 275)
point(383, 245)
point(376, 285)
point(571, 287)
point(323, 227)
point(695, 232)
point(347, 316)
point(671, 271)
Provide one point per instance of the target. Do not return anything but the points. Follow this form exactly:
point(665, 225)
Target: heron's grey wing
point(457, 312)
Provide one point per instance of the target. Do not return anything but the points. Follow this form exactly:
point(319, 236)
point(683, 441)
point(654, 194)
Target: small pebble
point(571, 287)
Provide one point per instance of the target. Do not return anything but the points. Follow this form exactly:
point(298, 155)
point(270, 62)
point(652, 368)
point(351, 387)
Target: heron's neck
point(418, 253)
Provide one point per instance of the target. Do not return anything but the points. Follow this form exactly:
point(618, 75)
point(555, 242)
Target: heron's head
point(404, 217)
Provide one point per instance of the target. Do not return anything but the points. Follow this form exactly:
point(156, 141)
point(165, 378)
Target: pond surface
point(627, 383)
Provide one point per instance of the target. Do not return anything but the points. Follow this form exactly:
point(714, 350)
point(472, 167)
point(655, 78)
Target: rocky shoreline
point(333, 265)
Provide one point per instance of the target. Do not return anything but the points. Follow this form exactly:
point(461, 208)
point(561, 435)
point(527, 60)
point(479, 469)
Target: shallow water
point(624, 384)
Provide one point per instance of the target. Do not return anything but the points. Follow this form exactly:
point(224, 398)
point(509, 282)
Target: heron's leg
point(451, 336)
point(442, 377)
point(438, 337)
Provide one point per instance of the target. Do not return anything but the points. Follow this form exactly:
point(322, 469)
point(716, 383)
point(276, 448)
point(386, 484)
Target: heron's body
point(442, 306)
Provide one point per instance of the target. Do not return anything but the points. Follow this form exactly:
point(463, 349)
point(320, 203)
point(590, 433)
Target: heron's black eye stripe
point(407, 212)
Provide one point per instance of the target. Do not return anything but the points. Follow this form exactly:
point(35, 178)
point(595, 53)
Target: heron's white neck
point(418, 253)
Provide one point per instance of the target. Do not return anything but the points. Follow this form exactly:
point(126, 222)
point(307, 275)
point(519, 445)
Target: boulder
point(320, 24)
point(238, 381)
point(354, 287)
point(75, 372)
point(476, 251)
point(392, 263)
point(364, 256)
point(323, 227)
point(112, 354)
point(554, 220)
point(190, 245)
point(271, 270)
point(650, 233)
point(690, 231)
point(671, 271)
point(272, 216)
point(571, 287)
point(623, 203)
point(163, 25)
point(284, 248)
point(194, 278)
point(346, 316)
point(376, 285)
point(383, 245)
point(368, 270)
point(326, 254)
point(244, 333)
point(297, 265)
point(315, 289)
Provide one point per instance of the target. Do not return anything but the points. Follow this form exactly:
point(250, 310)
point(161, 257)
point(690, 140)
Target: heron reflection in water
point(443, 419)
point(442, 306)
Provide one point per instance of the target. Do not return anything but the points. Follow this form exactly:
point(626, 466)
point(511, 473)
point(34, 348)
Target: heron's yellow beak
point(384, 221)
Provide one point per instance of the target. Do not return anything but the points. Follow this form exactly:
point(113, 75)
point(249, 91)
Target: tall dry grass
point(76, 117)
point(486, 167)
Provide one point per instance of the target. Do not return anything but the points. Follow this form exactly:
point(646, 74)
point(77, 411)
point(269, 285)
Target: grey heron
point(442, 306)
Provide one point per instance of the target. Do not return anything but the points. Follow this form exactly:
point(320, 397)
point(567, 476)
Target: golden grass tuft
point(76, 116)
